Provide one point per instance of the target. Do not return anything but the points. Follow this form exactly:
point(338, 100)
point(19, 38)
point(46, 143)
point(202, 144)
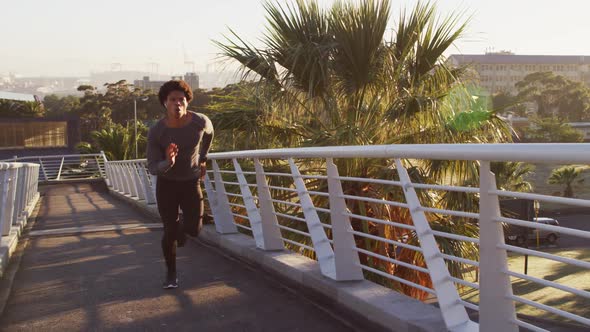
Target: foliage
point(21, 109)
point(567, 176)
point(327, 77)
point(512, 176)
point(552, 130)
point(117, 142)
point(556, 96)
point(57, 105)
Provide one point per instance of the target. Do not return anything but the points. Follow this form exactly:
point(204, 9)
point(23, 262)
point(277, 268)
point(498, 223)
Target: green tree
point(556, 96)
point(512, 176)
point(552, 130)
point(328, 78)
point(567, 176)
point(21, 109)
point(56, 105)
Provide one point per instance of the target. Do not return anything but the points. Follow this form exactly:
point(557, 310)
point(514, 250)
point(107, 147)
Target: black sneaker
point(171, 281)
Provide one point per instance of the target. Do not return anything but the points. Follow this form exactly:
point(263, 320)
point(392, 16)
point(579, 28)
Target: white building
point(499, 72)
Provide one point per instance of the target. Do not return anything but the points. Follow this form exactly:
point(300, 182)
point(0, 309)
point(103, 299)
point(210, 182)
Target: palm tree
point(332, 76)
point(567, 175)
point(512, 176)
point(116, 141)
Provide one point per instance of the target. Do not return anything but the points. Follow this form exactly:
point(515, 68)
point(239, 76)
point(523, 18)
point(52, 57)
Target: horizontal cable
point(565, 260)
point(238, 205)
point(545, 227)
point(299, 244)
point(403, 281)
point(278, 201)
point(294, 230)
point(318, 193)
point(227, 172)
point(282, 188)
point(379, 221)
point(544, 198)
point(464, 282)
point(391, 260)
point(456, 237)
point(460, 260)
point(451, 212)
point(528, 326)
point(401, 244)
point(548, 283)
point(239, 215)
point(242, 226)
point(316, 177)
point(233, 195)
point(231, 183)
point(319, 209)
point(469, 190)
point(375, 200)
point(278, 174)
point(278, 214)
point(470, 305)
point(552, 310)
point(368, 180)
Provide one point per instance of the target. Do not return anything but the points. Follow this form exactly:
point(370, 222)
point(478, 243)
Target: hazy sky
point(67, 37)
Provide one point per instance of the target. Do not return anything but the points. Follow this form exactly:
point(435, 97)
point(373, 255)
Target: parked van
point(525, 233)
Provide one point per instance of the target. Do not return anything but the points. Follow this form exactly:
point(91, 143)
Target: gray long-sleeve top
point(193, 141)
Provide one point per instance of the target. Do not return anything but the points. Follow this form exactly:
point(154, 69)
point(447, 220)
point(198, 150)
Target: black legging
point(171, 195)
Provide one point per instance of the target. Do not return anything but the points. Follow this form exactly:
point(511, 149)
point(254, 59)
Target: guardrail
point(390, 229)
point(18, 194)
point(67, 167)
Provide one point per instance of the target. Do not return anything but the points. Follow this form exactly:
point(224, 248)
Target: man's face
point(176, 104)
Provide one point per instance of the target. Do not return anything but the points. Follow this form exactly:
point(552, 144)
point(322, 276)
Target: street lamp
point(142, 98)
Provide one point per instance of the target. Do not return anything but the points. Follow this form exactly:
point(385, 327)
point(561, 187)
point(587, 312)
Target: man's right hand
point(171, 153)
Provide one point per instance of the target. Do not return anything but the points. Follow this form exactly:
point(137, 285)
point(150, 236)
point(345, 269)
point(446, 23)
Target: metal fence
point(386, 229)
point(67, 167)
point(18, 194)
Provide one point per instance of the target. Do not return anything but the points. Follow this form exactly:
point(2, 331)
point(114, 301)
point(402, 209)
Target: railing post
point(12, 198)
point(126, 178)
point(496, 309)
point(224, 221)
point(133, 179)
point(453, 312)
point(61, 165)
point(346, 259)
point(211, 196)
point(118, 179)
point(148, 193)
point(43, 169)
point(267, 238)
point(321, 244)
point(19, 199)
point(138, 182)
point(103, 172)
point(5, 220)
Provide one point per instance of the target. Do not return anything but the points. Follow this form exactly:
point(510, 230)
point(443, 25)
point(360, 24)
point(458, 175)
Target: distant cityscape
point(493, 71)
point(46, 85)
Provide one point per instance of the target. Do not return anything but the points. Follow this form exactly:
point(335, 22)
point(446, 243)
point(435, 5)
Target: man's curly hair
point(175, 85)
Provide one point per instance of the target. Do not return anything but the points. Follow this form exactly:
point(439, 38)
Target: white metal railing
point(18, 194)
point(67, 167)
point(308, 206)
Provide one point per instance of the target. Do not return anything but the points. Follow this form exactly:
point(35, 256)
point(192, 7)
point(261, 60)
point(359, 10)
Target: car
point(521, 235)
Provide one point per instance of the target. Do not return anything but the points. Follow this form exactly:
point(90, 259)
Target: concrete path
point(111, 280)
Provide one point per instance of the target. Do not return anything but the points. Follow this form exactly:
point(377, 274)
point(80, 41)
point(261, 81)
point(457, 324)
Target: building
point(38, 136)
point(146, 84)
point(500, 71)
